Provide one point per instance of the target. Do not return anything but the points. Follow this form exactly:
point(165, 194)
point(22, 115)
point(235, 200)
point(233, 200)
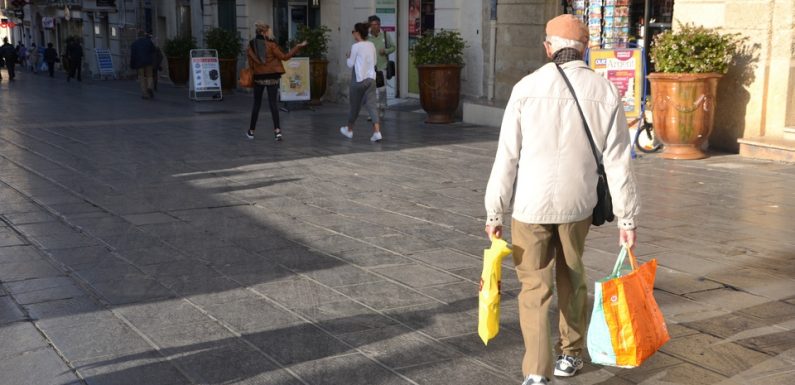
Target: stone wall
point(520, 34)
point(756, 96)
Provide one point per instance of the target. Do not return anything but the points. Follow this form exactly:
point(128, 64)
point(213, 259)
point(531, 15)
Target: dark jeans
point(76, 66)
point(51, 68)
point(272, 103)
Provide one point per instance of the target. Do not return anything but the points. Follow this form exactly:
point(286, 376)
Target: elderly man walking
point(142, 58)
point(545, 163)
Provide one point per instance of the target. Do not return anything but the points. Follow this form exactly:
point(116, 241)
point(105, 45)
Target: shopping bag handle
point(622, 257)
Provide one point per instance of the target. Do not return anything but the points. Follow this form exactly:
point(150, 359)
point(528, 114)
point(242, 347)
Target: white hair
point(557, 43)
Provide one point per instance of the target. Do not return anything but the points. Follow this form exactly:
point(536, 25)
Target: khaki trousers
point(145, 80)
point(541, 253)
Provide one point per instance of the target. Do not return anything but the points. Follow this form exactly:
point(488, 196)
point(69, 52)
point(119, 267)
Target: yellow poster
point(294, 85)
point(624, 68)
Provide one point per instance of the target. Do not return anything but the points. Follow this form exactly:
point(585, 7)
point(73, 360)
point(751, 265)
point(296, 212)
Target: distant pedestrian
point(22, 53)
point(74, 51)
point(545, 166)
point(9, 54)
point(142, 58)
point(361, 60)
point(33, 58)
point(384, 46)
point(265, 60)
point(50, 57)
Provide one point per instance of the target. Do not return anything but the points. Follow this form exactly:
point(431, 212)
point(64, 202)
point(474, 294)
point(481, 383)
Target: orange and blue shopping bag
point(626, 326)
point(489, 297)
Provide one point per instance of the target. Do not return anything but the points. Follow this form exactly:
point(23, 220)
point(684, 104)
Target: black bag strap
point(386, 40)
point(582, 115)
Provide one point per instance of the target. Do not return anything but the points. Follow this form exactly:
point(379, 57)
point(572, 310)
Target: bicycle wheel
point(645, 141)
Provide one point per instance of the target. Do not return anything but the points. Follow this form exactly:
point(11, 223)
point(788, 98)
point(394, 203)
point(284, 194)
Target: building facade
point(504, 37)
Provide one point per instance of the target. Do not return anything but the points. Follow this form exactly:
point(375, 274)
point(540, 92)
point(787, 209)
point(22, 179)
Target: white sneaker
point(346, 132)
point(376, 137)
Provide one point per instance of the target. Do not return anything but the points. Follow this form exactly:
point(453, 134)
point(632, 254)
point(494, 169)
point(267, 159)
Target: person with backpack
point(265, 60)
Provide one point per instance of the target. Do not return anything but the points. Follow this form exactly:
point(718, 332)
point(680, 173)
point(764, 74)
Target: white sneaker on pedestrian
point(346, 132)
point(567, 366)
point(535, 380)
point(376, 137)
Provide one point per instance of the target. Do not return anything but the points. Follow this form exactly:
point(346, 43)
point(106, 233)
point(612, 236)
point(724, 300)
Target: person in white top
point(544, 163)
point(362, 59)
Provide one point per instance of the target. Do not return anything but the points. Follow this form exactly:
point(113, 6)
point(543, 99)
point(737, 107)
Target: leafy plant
point(226, 43)
point(443, 47)
point(179, 46)
point(316, 39)
point(693, 49)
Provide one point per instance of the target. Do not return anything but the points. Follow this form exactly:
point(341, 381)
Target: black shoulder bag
point(603, 212)
point(390, 64)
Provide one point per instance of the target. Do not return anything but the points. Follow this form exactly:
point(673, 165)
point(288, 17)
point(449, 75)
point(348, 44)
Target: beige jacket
point(544, 161)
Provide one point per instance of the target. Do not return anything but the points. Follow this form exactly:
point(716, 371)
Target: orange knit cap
point(568, 27)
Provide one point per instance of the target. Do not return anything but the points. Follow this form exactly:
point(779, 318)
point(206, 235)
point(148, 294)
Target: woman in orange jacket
point(265, 59)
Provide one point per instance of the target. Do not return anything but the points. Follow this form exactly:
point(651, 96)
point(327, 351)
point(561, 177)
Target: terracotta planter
point(683, 106)
point(440, 91)
point(228, 73)
point(318, 77)
point(178, 70)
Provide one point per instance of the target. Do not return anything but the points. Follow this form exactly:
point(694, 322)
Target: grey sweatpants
point(362, 93)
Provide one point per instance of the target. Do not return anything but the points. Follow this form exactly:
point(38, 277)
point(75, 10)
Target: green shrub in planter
point(226, 43)
point(179, 46)
point(316, 39)
point(692, 49)
point(443, 47)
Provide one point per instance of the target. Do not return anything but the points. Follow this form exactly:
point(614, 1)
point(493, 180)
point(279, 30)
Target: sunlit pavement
point(149, 242)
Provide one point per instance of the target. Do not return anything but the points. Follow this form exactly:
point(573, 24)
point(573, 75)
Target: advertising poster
point(294, 84)
point(624, 68)
point(206, 74)
point(415, 18)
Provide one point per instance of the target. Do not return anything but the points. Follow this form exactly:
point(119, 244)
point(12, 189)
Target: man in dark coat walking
point(9, 53)
point(74, 51)
point(50, 57)
point(142, 58)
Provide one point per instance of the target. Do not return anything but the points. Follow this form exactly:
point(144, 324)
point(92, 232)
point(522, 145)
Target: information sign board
point(104, 62)
point(205, 75)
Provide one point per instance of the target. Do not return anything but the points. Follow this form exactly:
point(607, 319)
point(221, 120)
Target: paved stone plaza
point(148, 242)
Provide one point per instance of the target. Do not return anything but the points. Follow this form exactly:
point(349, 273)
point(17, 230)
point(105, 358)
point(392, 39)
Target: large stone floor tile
point(352, 369)
point(457, 371)
point(385, 295)
point(712, 353)
point(291, 345)
point(40, 367)
point(18, 338)
point(9, 311)
point(417, 276)
point(100, 338)
point(44, 289)
point(144, 368)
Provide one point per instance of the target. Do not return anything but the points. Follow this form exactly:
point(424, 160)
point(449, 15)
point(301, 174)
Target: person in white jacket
point(361, 61)
point(544, 163)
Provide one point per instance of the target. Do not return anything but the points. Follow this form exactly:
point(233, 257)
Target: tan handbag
point(247, 78)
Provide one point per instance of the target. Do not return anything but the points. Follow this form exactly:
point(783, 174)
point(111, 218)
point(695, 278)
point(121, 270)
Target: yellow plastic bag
point(489, 298)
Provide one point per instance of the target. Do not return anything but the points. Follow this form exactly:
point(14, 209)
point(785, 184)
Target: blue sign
point(104, 62)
